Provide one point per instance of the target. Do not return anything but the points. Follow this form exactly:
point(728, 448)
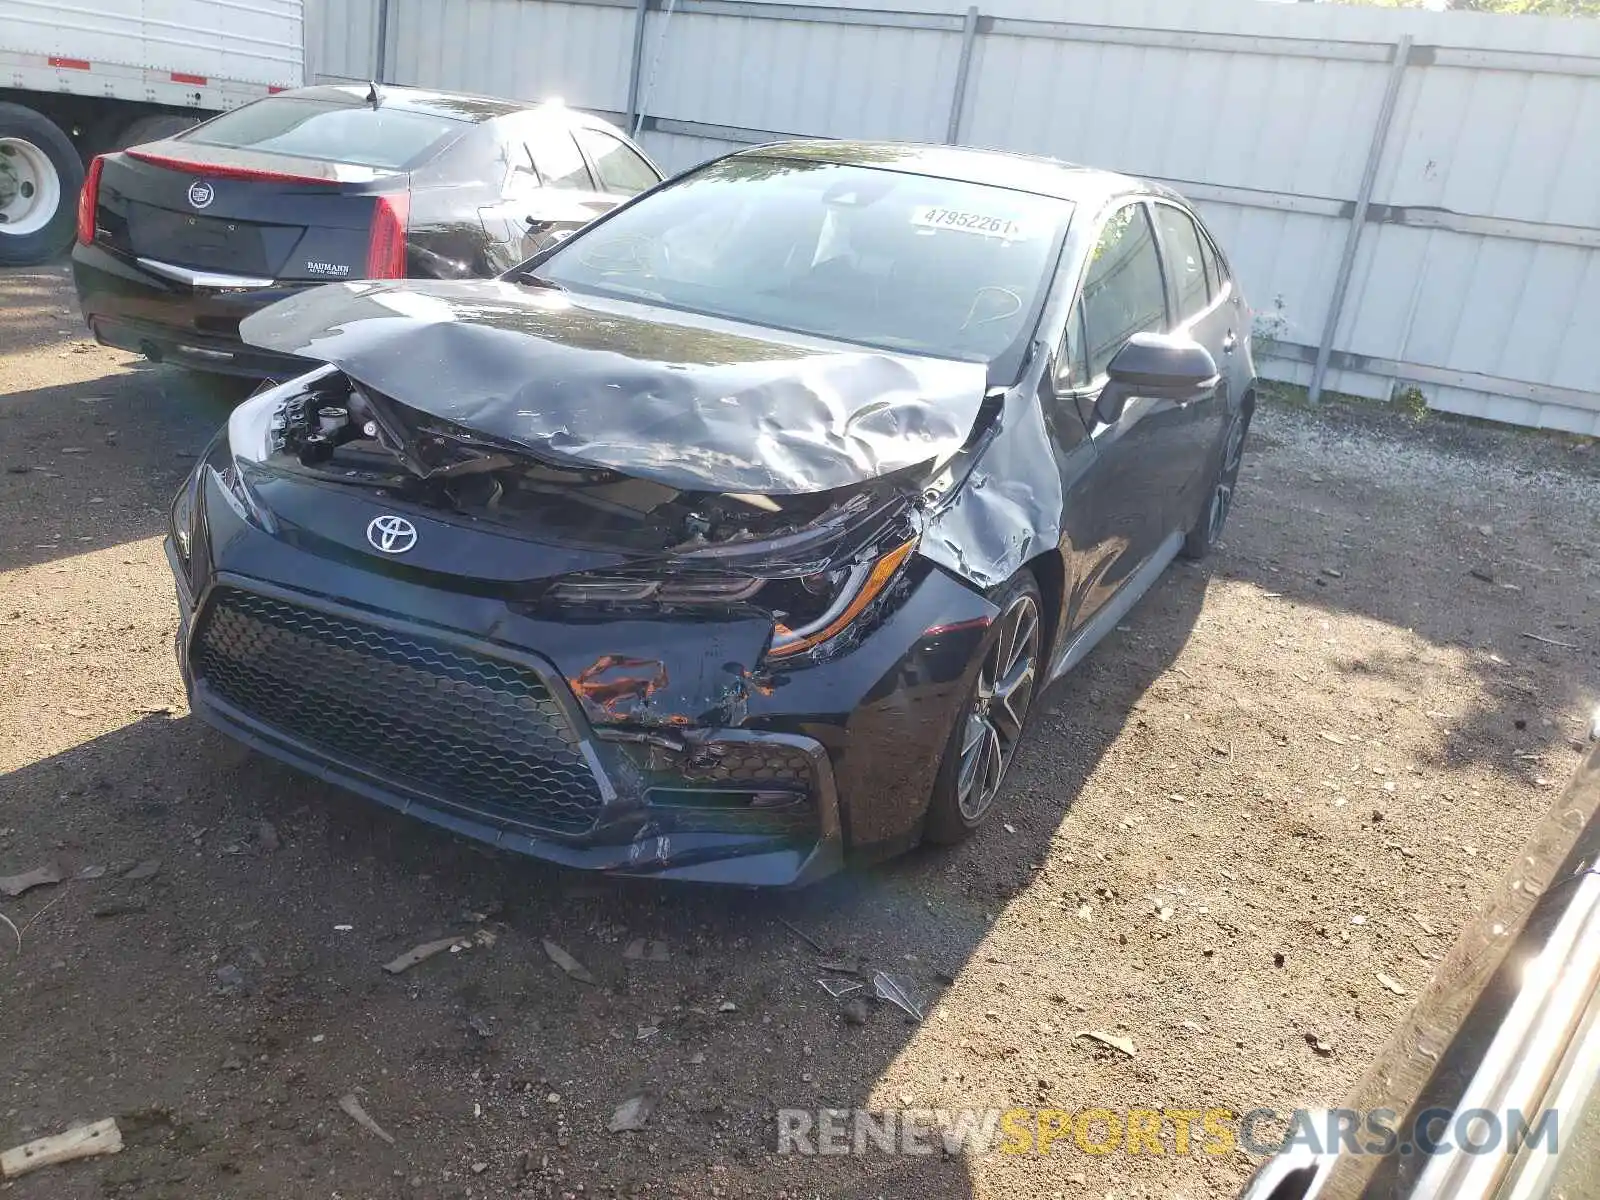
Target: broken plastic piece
point(15, 885)
point(356, 1113)
point(897, 992)
point(567, 963)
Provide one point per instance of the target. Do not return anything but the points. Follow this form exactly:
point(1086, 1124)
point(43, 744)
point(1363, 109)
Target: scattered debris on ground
point(449, 945)
point(631, 1114)
point(16, 885)
point(642, 950)
point(1115, 1041)
point(81, 1141)
point(567, 963)
point(897, 992)
point(353, 1109)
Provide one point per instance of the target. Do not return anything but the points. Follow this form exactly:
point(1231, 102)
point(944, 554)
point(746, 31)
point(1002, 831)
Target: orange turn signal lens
point(787, 642)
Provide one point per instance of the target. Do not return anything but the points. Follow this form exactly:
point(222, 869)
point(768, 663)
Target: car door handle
point(1229, 342)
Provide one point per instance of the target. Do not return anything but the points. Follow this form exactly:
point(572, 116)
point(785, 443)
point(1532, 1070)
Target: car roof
point(1088, 186)
point(460, 106)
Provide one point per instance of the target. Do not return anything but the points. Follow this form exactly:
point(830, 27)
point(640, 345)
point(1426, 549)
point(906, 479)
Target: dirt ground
point(1336, 725)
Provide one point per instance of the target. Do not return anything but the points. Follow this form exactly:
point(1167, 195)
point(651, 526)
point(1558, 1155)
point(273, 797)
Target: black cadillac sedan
point(738, 532)
point(180, 239)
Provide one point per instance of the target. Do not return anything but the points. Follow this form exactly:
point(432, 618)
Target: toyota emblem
point(201, 193)
point(390, 534)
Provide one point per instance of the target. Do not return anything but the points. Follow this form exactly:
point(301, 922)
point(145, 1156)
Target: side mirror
point(1159, 365)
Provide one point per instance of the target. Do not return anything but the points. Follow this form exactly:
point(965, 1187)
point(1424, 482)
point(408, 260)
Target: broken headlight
point(863, 582)
point(181, 516)
point(626, 589)
point(256, 427)
point(807, 611)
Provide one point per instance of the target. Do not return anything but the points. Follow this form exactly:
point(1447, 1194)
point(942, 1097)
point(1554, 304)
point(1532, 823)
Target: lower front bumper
point(630, 835)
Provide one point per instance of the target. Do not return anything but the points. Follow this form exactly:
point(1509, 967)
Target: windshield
point(357, 134)
point(879, 257)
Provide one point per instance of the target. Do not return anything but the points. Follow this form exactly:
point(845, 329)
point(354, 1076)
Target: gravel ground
point(1219, 830)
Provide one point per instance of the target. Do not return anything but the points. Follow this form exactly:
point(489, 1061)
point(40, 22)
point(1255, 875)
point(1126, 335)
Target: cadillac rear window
point(357, 134)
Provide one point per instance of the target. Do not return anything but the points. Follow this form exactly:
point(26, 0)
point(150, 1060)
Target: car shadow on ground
point(269, 943)
point(95, 463)
point(39, 308)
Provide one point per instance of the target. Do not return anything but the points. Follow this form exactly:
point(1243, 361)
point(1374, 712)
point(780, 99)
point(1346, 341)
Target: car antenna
point(372, 93)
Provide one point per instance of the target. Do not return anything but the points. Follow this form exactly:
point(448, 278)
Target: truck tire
point(152, 129)
point(40, 174)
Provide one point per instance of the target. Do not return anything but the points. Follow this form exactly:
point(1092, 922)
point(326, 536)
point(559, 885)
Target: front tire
point(992, 717)
point(40, 174)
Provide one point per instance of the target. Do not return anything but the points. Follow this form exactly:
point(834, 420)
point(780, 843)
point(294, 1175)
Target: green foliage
point(1534, 8)
point(1411, 401)
point(1531, 8)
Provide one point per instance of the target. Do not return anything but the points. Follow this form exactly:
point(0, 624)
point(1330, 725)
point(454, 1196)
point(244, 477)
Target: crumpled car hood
point(691, 402)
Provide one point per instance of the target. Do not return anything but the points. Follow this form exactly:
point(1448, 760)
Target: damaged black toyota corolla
point(735, 535)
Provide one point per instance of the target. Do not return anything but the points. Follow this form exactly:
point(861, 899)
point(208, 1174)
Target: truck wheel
point(152, 129)
point(40, 174)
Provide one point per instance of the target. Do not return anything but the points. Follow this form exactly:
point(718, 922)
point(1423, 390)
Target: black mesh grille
point(708, 788)
point(749, 763)
point(471, 731)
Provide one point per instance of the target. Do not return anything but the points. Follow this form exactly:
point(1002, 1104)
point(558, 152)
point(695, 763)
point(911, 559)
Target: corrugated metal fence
point(1412, 197)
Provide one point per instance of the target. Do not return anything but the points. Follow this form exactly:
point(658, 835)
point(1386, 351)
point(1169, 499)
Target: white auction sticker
point(931, 216)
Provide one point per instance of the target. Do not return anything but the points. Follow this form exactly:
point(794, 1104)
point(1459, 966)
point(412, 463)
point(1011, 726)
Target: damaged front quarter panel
point(998, 504)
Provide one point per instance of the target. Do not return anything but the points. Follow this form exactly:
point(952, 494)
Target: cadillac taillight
point(386, 248)
point(89, 200)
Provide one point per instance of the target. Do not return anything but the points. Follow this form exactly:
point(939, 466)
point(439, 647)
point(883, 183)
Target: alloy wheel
point(1227, 478)
point(1007, 680)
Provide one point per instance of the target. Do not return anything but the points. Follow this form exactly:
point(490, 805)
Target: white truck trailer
point(80, 78)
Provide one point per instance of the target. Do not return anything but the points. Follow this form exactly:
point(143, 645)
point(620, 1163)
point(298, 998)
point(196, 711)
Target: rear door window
point(1216, 273)
point(559, 162)
point(1186, 267)
point(1123, 292)
point(622, 171)
point(521, 179)
point(394, 139)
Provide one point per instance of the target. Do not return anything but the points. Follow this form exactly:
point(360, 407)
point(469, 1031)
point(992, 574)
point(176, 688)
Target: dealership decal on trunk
point(338, 270)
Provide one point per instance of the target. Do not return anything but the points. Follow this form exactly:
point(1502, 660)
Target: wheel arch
point(1049, 571)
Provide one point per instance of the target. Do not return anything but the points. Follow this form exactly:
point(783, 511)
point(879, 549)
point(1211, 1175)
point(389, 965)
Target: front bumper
point(353, 676)
point(130, 307)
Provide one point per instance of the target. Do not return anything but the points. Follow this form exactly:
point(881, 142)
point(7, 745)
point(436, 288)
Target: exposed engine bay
point(803, 558)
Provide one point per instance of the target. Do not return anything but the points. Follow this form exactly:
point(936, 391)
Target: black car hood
point(688, 401)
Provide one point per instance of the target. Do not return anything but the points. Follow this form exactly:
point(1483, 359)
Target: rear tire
point(1203, 538)
point(152, 129)
point(993, 715)
point(40, 174)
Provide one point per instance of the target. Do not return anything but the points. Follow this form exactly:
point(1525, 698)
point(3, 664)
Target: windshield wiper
point(538, 281)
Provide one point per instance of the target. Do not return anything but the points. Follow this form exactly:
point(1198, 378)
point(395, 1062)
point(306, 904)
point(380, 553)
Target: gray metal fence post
point(1358, 218)
point(382, 65)
point(958, 97)
point(636, 66)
